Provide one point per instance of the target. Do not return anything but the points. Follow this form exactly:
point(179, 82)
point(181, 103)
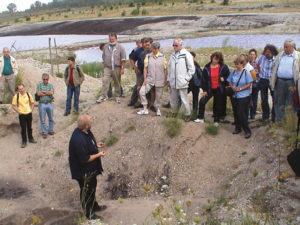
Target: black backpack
point(294, 157)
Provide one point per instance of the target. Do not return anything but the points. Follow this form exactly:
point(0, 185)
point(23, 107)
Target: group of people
point(271, 72)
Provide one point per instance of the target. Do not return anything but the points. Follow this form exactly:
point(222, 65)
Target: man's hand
point(101, 154)
point(101, 145)
point(204, 93)
point(222, 79)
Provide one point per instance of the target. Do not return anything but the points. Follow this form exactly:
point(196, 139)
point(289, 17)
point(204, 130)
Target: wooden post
point(57, 63)
point(50, 57)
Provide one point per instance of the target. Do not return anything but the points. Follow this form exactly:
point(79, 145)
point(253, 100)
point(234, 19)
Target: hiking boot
point(247, 135)
point(66, 113)
point(168, 105)
point(44, 136)
point(158, 113)
point(199, 120)
point(23, 145)
point(51, 133)
point(130, 104)
point(94, 217)
point(187, 118)
point(98, 208)
point(101, 99)
point(143, 112)
point(236, 132)
point(138, 105)
point(32, 141)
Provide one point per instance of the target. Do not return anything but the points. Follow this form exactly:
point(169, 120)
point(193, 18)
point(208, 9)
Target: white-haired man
point(285, 76)
point(8, 72)
point(181, 70)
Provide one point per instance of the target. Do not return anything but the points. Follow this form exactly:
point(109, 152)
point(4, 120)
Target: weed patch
point(173, 126)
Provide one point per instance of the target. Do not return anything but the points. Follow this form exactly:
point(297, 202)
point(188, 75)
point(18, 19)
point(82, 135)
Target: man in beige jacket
point(114, 57)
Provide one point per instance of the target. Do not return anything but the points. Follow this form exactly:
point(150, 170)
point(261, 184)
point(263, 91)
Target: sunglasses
point(175, 45)
point(46, 79)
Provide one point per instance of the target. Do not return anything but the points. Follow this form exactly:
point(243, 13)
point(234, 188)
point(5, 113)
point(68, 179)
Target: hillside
point(148, 176)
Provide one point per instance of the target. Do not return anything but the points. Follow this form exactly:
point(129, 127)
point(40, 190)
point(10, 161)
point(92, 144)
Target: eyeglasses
point(46, 79)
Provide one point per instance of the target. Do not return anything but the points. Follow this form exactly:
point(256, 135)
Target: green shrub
point(42, 18)
point(123, 13)
point(17, 20)
point(131, 127)
point(135, 12)
point(173, 126)
point(145, 12)
point(111, 140)
point(60, 75)
point(66, 16)
point(99, 14)
point(92, 69)
point(27, 18)
point(212, 129)
point(131, 4)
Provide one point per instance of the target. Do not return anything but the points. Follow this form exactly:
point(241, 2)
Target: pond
point(94, 55)
point(242, 41)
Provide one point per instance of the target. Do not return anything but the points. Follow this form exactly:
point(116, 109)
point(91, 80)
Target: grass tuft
point(211, 129)
point(92, 69)
point(111, 140)
point(173, 126)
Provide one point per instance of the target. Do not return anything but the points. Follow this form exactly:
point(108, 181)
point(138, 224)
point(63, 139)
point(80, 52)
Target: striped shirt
point(265, 66)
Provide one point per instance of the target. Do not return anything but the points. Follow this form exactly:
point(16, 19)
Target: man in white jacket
point(181, 70)
point(8, 72)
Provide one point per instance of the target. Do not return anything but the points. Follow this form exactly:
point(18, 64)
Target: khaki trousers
point(158, 94)
point(10, 80)
point(109, 75)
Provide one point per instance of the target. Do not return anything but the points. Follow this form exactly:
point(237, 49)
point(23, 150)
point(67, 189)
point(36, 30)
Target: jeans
point(46, 109)
point(88, 187)
point(264, 87)
point(26, 126)
point(283, 96)
point(253, 100)
point(71, 90)
point(240, 113)
point(218, 104)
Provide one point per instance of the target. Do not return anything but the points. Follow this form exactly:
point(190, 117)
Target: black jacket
point(81, 146)
point(206, 79)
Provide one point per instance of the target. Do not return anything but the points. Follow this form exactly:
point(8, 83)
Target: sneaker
point(23, 145)
point(158, 113)
point(51, 133)
point(216, 124)
point(118, 100)
point(44, 136)
point(143, 112)
point(199, 120)
point(152, 108)
point(101, 99)
point(32, 141)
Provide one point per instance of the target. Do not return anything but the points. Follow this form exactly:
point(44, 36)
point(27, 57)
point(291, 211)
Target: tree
point(37, 4)
point(12, 7)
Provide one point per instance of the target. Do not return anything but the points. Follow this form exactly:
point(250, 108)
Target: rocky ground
point(147, 173)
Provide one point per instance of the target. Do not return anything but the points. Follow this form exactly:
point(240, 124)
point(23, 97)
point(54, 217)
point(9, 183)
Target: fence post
point(50, 57)
point(57, 63)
